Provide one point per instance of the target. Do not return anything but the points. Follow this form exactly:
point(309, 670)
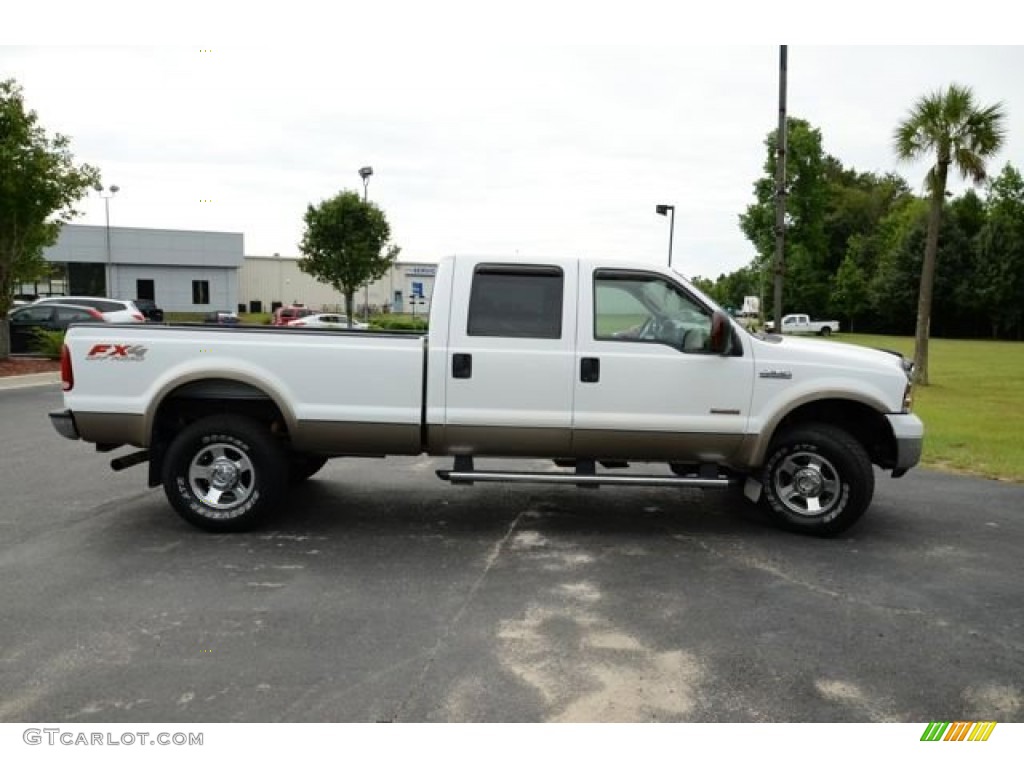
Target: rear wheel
point(817, 479)
point(225, 473)
point(826, 331)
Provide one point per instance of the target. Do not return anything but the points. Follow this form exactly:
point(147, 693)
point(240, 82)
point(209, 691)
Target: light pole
point(365, 173)
point(106, 194)
point(665, 210)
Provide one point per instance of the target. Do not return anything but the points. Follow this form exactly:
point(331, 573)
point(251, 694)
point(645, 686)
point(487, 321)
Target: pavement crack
point(453, 622)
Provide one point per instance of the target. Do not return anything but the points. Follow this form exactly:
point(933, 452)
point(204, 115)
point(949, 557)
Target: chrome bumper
point(909, 433)
point(64, 423)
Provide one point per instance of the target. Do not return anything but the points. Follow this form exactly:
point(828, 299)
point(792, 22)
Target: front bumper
point(64, 423)
point(908, 430)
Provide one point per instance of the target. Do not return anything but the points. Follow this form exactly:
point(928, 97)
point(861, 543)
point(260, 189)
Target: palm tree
point(950, 125)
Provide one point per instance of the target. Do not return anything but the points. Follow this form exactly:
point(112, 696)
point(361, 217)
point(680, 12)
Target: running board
point(568, 478)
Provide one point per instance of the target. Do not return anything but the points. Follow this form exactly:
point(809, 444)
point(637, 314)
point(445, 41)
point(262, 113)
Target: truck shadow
point(328, 506)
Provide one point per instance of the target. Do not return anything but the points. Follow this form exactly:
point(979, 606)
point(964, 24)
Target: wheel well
point(866, 425)
point(208, 397)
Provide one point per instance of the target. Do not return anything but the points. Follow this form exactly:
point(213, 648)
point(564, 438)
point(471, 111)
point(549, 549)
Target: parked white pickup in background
point(804, 324)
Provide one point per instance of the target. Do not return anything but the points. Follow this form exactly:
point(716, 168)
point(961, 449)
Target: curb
point(29, 380)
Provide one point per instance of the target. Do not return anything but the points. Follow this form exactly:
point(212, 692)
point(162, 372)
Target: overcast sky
point(498, 150)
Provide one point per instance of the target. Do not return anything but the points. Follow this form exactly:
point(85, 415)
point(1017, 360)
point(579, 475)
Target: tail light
point(138, 317)
point(67, 373)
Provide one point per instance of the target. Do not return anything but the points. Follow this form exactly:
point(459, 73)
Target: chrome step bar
point(571, 478)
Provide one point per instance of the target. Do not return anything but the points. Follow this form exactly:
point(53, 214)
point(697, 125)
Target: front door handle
point(462, 366)
point(590, 369)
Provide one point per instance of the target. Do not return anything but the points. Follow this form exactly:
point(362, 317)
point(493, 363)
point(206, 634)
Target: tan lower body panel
point(112, 428)
point(590, 443)
point(656, 446)
point(350, 437)
point(497, 441)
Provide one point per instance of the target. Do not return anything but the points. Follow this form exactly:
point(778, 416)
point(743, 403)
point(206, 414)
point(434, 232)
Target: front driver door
point(647, 384)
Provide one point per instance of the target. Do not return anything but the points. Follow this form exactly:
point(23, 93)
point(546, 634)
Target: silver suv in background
point(113, 310)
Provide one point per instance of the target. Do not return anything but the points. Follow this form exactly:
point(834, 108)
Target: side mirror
point(721, 333)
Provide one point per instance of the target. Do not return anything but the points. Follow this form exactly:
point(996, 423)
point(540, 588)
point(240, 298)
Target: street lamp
point(665, 210)
point(365, 173)
point(106, 194)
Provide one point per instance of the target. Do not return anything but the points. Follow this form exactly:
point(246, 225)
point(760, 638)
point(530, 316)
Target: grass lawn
point(973, 410)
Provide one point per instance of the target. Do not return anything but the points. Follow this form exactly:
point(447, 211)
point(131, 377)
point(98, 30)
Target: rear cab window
point(516, 301)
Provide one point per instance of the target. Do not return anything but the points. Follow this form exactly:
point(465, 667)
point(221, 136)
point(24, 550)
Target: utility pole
point(780, 193)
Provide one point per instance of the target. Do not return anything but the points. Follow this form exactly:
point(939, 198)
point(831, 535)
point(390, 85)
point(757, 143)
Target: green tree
point(1000, 255)
point(39, 186)
point(949, 126)
point(806, 205)
point(850, 289)
point(345, 244)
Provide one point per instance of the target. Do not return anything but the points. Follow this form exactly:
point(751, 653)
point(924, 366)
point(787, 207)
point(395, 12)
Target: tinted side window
point(69, 315)
point(517, 302)
point(32, 315)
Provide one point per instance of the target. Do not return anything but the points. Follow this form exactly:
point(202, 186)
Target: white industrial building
point(182, 271)
point(191, 271)
point(268, 281)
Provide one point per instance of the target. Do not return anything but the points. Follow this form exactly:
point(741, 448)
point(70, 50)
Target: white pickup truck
point(804, 324)
point(593, 364)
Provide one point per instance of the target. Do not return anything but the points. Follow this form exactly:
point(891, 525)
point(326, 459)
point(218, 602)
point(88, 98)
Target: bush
point(47, 343)
point(398, 323)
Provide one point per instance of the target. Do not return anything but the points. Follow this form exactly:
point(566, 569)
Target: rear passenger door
point(510, 360)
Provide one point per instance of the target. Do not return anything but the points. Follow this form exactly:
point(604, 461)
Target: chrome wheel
point(222, 478)
point(807, 484)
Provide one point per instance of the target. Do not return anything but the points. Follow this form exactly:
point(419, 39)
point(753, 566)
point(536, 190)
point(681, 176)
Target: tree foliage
point(39, 187)
point(875, 230)
point(345, 244)
point(949, 126)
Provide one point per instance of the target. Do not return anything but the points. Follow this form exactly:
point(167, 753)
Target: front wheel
point(817, 479)
point(225, 473)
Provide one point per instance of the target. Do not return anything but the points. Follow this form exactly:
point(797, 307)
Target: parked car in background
point(150, 310)
point(327, 321)
point(113, 310)
point(23, 321)
point(221, 318)
point(284, 315)
point(804, 324)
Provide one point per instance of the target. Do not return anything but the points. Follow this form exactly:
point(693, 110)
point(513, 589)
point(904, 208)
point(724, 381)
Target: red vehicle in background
point(284, 315)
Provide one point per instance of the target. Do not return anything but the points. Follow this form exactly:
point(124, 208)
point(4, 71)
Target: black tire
point(826, 331)
point(225, 473)
point(817, 479)
point(302, 466)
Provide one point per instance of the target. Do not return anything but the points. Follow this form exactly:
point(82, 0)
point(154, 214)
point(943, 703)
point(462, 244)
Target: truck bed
point(337, 390)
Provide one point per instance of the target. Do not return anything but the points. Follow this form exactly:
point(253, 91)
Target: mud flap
point(752, 488)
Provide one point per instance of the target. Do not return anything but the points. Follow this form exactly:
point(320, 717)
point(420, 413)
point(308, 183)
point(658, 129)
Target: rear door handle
point(590, 369)
point(462, 366)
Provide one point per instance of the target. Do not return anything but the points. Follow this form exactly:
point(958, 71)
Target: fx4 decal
point(127, 352)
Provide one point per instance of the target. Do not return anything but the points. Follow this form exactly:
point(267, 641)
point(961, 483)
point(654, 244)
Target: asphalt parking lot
point(384, 594)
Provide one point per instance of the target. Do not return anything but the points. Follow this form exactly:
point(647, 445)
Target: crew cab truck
point(804, 324)
point(593, 364)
